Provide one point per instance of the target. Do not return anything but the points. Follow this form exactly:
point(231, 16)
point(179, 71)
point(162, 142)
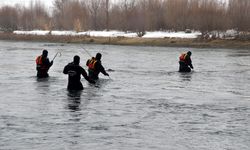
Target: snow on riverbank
point(156, 34)
point(172, 35)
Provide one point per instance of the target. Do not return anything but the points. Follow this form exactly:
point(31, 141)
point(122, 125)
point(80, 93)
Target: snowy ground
point(156, 34)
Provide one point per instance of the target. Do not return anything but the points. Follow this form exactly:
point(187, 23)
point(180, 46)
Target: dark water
point(145, 105)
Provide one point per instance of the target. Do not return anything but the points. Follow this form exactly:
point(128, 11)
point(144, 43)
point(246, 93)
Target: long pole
point(56, 55)
point(86, 51)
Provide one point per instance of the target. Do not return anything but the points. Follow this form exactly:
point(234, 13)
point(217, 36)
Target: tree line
point(128, 15)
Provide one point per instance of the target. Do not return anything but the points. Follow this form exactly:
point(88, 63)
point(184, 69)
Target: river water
point(145, 104)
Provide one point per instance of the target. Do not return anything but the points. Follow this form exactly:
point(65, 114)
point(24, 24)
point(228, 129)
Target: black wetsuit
point(43, 66)
point(75, 72)
point(185, 65)
point(93, 73)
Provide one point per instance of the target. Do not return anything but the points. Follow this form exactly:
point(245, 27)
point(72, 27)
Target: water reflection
point(74, 100)
point(101, 83)
point(42, 85)
point(186, 76)
point(42, 79)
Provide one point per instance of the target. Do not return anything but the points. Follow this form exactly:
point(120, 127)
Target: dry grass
point(170, 42)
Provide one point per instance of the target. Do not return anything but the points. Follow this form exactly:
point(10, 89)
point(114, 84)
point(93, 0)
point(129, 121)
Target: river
point(145, 104)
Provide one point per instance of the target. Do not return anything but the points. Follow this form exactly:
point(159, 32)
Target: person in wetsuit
point(185, 62)
point(95, 67)
point(43, 64)
point(74, 71)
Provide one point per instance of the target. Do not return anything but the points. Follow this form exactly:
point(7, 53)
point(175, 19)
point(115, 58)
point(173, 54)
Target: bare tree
point(154, 15)
point(129, 15)
point(107, 15)
point(238, 11)
point(8, 18)
point(117, 21)
point(70, 15)
point(94, 6)
point(33, 17)
point(40, 15)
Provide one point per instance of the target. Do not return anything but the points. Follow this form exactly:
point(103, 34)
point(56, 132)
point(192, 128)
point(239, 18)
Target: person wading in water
point(74, 71)
point(95, 67)
point(43, 64)
point(185, 62)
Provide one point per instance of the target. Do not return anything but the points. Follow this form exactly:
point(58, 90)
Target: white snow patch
point(231, 33)
point(34, 32)
point(181, 34)
point(71, 33)
point(108, 34)
point(114, 33)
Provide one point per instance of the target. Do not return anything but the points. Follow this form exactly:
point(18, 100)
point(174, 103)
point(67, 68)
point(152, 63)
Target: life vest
point(39, 60)
point(183, 57)
point(91, 63)
point(39, 63)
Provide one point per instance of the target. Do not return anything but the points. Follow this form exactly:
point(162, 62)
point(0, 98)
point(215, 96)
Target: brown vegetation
point(169, 42)
point(129, 15)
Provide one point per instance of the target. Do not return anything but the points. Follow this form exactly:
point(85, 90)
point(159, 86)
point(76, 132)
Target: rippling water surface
point(145, 105)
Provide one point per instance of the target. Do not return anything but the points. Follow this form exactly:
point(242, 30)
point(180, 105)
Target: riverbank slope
point(166, 42)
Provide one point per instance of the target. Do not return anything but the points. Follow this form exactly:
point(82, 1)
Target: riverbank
point(165, 42)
